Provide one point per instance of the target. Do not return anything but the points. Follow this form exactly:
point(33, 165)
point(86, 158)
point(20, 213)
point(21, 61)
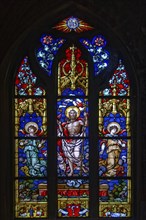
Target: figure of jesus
point(74, 127)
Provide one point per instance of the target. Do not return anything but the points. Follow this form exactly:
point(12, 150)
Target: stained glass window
point(114, 146)
point(31, 145)
point(91, 142)
point(72, 132)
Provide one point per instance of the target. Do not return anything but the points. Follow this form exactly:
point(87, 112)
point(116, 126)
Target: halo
point(29, 124)
point(114, 124)
point(77, 110)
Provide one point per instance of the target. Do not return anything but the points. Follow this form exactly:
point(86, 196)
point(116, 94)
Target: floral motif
point(47, 52)
point(99, 54)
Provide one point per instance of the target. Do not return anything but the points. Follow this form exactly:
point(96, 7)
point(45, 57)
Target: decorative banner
point(99, 55)
point(119, 84)
point(25, 81)
point(31, 158)
point(72, 113)
point(73, 198)
point(73, 157)
point(47, 52)
point(114, 113)
point(73, 74)
point(73, 24)
point(30, 117)
point(31, 198)
point(114, 157)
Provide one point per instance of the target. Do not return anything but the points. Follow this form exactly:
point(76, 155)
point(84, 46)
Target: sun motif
point(73, 24)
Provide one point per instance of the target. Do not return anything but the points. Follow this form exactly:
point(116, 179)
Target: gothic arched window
point(72, 126)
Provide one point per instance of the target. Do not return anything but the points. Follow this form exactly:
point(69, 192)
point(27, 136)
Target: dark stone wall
point(127, 19)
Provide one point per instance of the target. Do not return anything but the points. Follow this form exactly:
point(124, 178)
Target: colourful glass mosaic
point(72, 111)
point(119, 84)
point(31, 198)
point(100, 56)
point(73, 157)
point(73, 198)
point(31, 158)
point(25, 82)
point(114, 113)
point(73, 74)
point(47, 52)
point(30, 117)
point(73, 24)
point(114, 157)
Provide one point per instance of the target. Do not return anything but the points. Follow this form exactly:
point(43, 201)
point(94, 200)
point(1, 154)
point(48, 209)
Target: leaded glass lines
point(100, 56)
point(73, 136)
point(47, 52)
point(31, 146)
point(63, 129)
point(114, 146)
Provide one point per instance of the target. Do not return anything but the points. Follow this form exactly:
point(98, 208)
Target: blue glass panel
point(76, 92)
point(32, 157)
point(114, 120)
point(27, 121)
point(65, 107)
point(99, 55)
point(47, 52)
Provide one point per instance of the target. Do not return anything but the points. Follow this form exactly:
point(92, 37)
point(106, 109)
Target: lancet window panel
point(31, 145)
point(114, 146)
point(73, 135)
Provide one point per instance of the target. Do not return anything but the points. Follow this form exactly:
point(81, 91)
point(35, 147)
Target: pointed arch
point(100, 82)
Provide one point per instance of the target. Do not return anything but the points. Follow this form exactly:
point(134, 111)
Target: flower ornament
point(46, 54)
point(99, 55)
